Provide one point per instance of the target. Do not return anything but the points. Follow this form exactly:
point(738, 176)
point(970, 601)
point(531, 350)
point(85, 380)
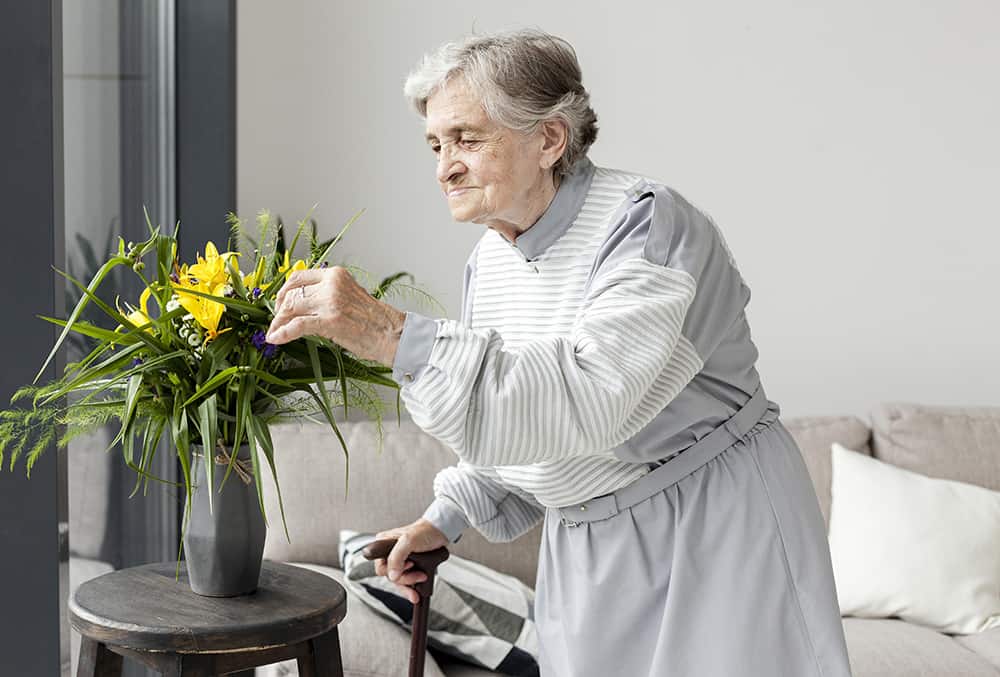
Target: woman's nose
point(448, 167)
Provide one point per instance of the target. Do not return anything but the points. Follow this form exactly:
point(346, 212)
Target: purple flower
point(256, 292)
point(259, 341)
point(136, 362)
point(324, 264)
point(174, 277)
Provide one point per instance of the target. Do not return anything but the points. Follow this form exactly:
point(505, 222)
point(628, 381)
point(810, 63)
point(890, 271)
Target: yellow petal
point(144, 300)
point(299, 265)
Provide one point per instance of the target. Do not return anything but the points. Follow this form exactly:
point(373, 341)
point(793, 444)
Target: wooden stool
point(143, 613)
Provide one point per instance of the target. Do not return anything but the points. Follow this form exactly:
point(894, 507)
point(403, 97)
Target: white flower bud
point(173, 305)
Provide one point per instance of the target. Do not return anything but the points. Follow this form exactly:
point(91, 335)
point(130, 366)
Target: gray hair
point(523, 78)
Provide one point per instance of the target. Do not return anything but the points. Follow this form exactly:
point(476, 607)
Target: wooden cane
point(422, 561)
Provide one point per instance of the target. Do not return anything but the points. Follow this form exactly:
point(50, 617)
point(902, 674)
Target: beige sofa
point(393, 487)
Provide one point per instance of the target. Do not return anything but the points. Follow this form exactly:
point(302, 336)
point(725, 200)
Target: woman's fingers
point(286, 330)
point(408, 593)
point(298, 278)
point(397, 556)
point(382, 567)
point(411, 578)
point(405, 580)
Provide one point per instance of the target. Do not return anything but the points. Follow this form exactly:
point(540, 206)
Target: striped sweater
point(608, 338)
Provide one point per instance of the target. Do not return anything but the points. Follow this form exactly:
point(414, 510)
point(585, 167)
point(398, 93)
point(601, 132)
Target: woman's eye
point(470, 143)
point(436, 149)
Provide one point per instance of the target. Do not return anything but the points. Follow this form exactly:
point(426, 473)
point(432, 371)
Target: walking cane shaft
point(418, 645)
point(428, 563)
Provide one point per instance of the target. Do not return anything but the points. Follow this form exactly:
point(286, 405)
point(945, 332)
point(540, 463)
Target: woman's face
point(490, 174)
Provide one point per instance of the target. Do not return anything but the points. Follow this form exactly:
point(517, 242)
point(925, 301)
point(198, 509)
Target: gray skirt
point(715, 564)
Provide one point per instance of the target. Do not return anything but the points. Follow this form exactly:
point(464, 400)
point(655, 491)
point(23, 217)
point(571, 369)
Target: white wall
point(849, 151)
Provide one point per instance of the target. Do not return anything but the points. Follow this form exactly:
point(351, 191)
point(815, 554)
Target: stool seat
point(146, 613)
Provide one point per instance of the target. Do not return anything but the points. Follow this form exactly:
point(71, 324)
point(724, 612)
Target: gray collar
point(561, 212)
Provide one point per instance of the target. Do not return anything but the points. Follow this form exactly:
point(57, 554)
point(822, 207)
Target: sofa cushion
point(387, 490)
point(924, 549)
point(986, 644)
point(815, 435)
point(891, 647)
point(370, 646)
point(453, 667)
point(954, 443)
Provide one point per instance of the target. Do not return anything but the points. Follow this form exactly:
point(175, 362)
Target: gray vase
point(224, 548)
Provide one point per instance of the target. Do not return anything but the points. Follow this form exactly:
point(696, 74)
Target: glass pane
point(119, 155)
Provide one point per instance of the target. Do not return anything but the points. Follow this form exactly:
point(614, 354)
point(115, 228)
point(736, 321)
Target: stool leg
point(96, 660)
point(188, 665)
point(324, 659)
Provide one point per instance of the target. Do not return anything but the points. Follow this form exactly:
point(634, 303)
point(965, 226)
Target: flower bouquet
point(191, 362)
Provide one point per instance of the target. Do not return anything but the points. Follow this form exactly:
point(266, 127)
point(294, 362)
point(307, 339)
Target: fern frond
point(410, 291)
point(43, 442)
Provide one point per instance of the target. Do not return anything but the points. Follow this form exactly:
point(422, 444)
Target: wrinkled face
point(488, 172)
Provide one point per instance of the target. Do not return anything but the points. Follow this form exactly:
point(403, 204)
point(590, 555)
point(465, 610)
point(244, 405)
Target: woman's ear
point(554, 138)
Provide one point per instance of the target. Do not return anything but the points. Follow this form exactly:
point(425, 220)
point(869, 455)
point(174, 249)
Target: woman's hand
point(419, 536)
point(329, 302)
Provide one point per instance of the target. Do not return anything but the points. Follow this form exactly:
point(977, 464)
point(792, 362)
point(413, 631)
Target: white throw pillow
point(922, 549)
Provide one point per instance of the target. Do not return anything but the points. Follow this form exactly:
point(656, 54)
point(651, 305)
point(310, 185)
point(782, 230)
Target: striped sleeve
point(622, 362)
point(467, 495)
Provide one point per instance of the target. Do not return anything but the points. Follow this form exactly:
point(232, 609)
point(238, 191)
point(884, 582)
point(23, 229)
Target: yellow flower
point(284, 268)
point(139, 317)
point(206, 312)
point(211, 270)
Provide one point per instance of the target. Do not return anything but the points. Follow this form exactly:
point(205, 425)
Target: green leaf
point(112, 364)
point(318, 374)
point(131, 399)
point(244, 398)
point(91, 378)
point(153, 444)
point(209, 424)
point(94, 284)
point(211, 384)
point(263, 436)
point(146, 455)
point(144, 336)
point(235, 278)
point(387, 282)
point(217, 352)
point(343, 378)
point(255, 312)
point(179, 431)
point(333, 243)
point(298, 231)
point(93, 331)
point(255, 461)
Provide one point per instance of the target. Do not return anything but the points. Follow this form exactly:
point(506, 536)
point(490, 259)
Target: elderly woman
point(601, 380)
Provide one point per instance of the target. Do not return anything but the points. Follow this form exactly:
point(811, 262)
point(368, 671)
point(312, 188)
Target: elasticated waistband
point(678, 467)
